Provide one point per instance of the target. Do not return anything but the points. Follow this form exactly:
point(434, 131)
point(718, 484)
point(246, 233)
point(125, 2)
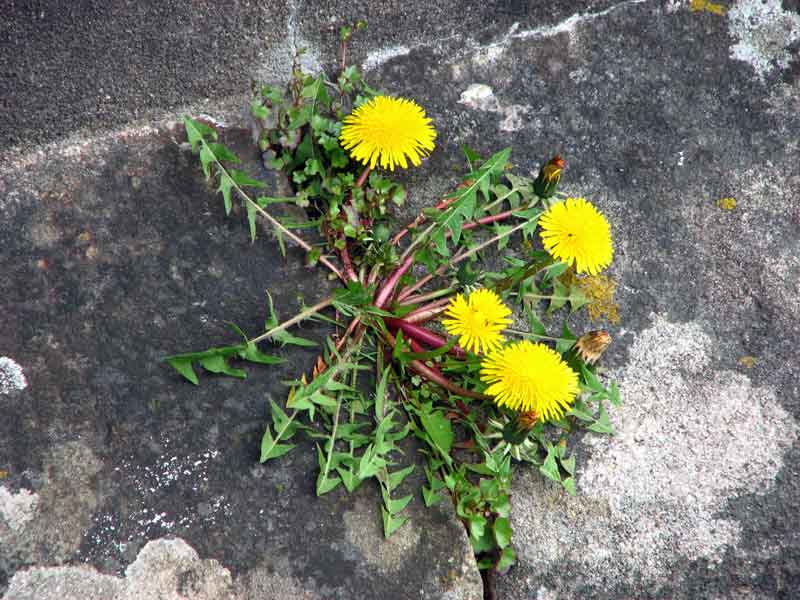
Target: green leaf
point(221, 153)
point(283, 337)
point(397, 477)
point(225, 187)
point(549, 467)
point(251, 219)
point(270, 448)
point(218, 364)
point(242, 179)
point(507, 558)
point(430, 497)
point(349, 479)
point(580, 411)
point(197, 132)
point(602, 424)
point(184, 367)
point(569, 485)
point(439, 429)
point(613, 394)
point(252, 354)
point(502, 532)
point(326, 484)
point(391, 523)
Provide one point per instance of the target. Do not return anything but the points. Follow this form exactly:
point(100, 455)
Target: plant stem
point(347, 264)
point(423, 316)
point(489, 242)
point(420, 220)
point(406, 292)
point(545, 297)
point(422, 335)
point(431, 306)
point(537, 335)
point(272, 220)
point(428, 296)
point(363, 177)
point(425, 371)
point(384, 293)
point(487, 220)
point(530, 271)
point(295, 319)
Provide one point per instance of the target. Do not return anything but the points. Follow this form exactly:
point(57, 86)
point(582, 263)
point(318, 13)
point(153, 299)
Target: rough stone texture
point(116, 255)
point(661, 108)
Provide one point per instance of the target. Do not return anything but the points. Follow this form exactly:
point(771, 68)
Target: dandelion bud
point(516, 430)
point(546, 182)
point(591, 345)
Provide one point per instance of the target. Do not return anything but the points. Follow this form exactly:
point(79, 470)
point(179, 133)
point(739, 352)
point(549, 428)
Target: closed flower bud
point(546, 182)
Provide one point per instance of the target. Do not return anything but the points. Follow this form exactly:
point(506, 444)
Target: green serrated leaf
point(502, 532)
point(225, 187)
point(507, 559)
point(549, 467)
point(196, 132)
point(430, 497)
point(602, 424)
point(218, 364)
point(397, 477)
point(270, 448)
point(439, 429)
point(391, 523)
point(252, 354)
point(242, 179)
point(222, 153)
point(184, 367)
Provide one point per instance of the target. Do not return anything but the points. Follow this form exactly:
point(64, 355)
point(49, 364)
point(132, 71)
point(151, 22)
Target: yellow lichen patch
point(706, 6)
point(4, 474)
point(748, 361)
point(727, 203)
point(599, 290)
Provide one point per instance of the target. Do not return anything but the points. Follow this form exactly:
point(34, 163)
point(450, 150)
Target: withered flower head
point(591, 345)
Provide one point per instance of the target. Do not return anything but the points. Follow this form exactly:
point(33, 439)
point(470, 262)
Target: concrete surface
point(661, 109)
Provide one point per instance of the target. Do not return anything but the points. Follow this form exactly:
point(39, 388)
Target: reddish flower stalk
point(438, 306)
point(421, 219)
point(347, 264)
point(487, 220)
point(435, 376)
point(422, 335)
point(363, 177)
point(424, 316)
point(385, 293)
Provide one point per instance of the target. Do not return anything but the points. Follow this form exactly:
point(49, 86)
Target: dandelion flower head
point(525, 377)
point(575, 232)
point(478, 320)
point(389, 131)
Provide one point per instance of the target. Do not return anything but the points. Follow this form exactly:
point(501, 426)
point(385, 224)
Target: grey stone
point(659, 110)
point(107, 447)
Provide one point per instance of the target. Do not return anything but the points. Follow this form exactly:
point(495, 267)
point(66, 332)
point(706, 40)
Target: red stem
point(436, 377)
point(363, 177)
point(347, 264)
point(384, 293)
point(422, 335)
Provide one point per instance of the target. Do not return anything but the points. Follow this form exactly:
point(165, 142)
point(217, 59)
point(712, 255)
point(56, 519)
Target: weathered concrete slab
point(114, 254)
point(661, 109)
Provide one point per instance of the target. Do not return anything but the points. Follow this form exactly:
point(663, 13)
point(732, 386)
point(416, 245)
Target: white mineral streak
point(17, 509)
point(765, 32)
point(12, 378)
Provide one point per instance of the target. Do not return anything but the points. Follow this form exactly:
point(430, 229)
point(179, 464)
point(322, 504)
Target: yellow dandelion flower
point(478, 320)
point(388, 130)
point(526, 377)
point(574, 231)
